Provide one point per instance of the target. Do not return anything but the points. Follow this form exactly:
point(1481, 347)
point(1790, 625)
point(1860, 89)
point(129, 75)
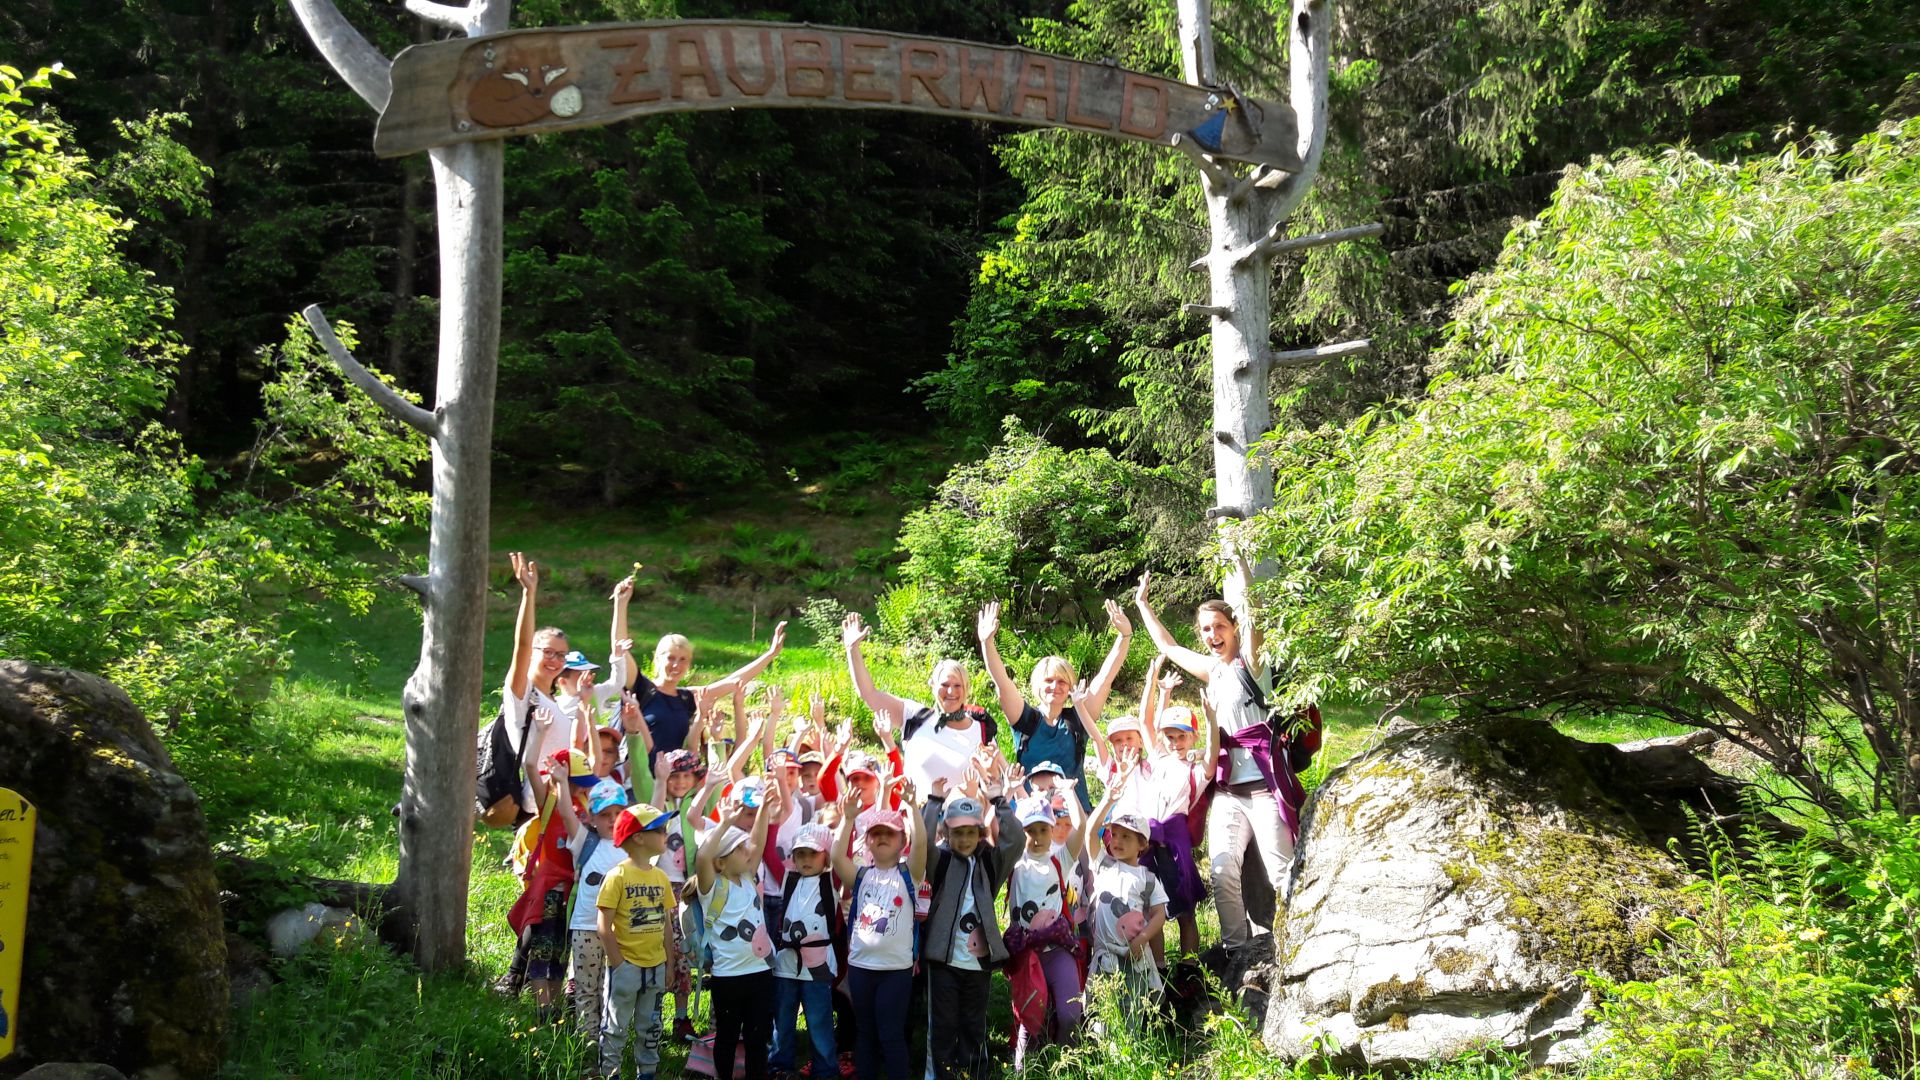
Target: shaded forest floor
point(309, 787)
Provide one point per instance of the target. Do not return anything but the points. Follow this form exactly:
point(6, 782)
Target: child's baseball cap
point(1133, 823)
point(962, 811)
point(1045, 767)
point(881, 818)
point(813, 757)
point(1125, 724)
point(1176, 718)
point(733, 838)
point(1033, 812)
point(579, 769)
point(637, 819)
point(606, 793)
point(859, 761)
point(685, 761)
point(577, 661)
point(813, 838)
point(783, 758)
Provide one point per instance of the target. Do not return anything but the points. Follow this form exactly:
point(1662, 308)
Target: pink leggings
point(1063, 992)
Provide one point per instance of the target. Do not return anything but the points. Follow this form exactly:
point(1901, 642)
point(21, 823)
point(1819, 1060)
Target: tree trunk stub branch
point(1321, 353)
point(382, 393)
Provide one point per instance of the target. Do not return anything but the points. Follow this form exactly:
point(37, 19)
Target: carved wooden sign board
point(531, 81)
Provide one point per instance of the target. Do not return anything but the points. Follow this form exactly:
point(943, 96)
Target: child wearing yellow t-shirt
point(635, 905)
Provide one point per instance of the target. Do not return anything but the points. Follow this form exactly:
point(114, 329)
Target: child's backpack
point(836, 929)
point(496, 787)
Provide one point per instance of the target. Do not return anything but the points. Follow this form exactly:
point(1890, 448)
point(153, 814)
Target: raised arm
point(639, 742)
point(773, 805)
point(742, 750)
point(916, 831)
point(988, 627)
point(1006, 826)
point(1116, 655)
point(1098, 819)
point(1088, 708)
point(776, 709)
point(1249, 626)
point(739, 713)
point(751, 671)
point(1076, 842)
point(843, 867)
point(703, 860)
point(1213, 736)
point(620, 640)
point(1150, 704)
point(1196, 664)
point(520, 667)
point(852, 633)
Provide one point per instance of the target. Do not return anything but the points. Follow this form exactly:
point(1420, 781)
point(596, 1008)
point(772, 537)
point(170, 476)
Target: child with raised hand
point(740, 987)
point(1129, 905)
point(541, 916)
point(1043, 939)
point(634, 916)
point(594, 856)
point(682, 784)
point(804, 965)
point(962, 931)
point(1176, 797)
point(880, 928)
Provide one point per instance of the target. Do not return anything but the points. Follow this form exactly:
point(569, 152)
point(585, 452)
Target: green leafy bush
point(1800, 963)
point(1042, 529)
point(1665, 469)
point(121, 553)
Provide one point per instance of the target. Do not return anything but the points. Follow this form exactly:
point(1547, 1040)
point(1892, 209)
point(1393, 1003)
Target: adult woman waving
point(938, 740)
point(1256, 796)
point(669, 707)
point(1058, 725)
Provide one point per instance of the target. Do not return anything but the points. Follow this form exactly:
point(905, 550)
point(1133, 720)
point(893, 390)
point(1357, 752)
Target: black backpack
point(496, 775)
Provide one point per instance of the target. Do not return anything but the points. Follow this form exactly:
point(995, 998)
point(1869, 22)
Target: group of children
point(829, 881)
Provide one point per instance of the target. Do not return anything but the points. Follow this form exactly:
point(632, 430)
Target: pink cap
point(813, 838)
point(881, 818)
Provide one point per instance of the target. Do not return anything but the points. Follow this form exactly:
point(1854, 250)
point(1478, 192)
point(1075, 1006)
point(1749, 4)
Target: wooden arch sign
point(531, 81)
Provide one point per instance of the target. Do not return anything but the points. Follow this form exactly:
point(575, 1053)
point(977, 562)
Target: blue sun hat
point(577, 661)
point(605, 795)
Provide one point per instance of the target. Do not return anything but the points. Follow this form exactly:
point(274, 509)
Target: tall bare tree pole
point(442, 698)
point(1247, 212)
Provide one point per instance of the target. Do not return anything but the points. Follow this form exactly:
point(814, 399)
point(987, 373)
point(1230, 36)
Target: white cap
point(733, 838)
point(1033, 812)
point(813, 838)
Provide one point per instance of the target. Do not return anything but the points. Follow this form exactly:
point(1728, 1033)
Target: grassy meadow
point(308, 788)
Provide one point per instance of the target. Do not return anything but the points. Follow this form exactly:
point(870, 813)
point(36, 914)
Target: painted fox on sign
point(524, 85)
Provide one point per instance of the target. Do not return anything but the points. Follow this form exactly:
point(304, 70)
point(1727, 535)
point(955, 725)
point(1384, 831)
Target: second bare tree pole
point(1245, 212)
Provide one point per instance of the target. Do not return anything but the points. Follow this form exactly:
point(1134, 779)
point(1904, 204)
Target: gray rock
point(67, 1070)
point(125, 959)
point(294, 929)
point(1453, 880)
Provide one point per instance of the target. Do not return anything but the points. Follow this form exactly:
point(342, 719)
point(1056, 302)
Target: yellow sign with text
point(16, 863)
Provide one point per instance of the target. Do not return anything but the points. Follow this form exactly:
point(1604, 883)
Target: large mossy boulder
point(1453, 881)
point(125, 952)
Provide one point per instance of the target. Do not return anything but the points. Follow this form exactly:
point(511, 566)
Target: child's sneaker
point(509, 985)
point(683, 1030)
